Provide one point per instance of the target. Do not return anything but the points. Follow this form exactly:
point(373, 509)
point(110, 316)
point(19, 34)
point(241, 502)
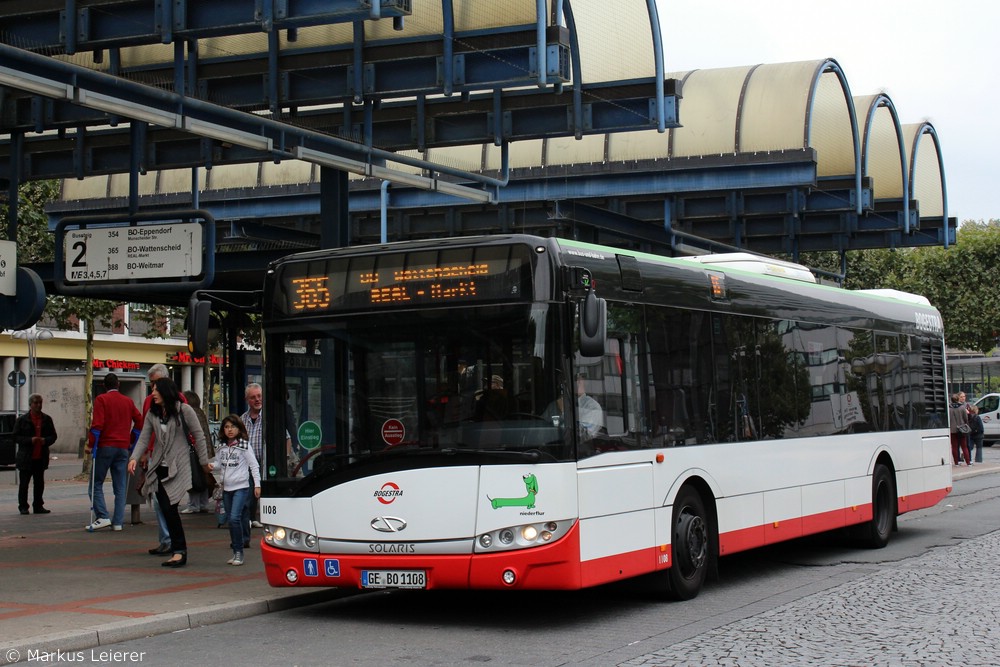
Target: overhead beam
point(100, 24)
point(101, 102)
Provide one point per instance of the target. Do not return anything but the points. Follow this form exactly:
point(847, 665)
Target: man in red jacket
point(111, 432)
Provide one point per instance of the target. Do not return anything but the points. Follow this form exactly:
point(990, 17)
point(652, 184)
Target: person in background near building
point(113, 428)
point(169, 475)
point(976, 433)
point(155, 372)
point(34, 433)
point(237, 464)
point(958, 422)
point(200, 501)
point(968, 436)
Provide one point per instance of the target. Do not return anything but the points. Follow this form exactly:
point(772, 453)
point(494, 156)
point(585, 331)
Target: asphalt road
point(930, 598)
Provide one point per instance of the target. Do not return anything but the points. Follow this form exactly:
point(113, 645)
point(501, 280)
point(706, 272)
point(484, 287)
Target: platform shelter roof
point(734, 122)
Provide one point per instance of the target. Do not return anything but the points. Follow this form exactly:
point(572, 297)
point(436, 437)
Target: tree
point(954, 279)
point(36, 244)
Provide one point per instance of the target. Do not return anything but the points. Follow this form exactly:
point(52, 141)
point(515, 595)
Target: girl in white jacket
point(236, 464)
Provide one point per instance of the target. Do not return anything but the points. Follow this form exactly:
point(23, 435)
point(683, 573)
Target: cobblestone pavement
point(939, 609)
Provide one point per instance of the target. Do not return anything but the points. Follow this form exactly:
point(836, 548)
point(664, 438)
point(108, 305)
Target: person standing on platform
point(198, 501)
point(253, 420)
point(977, 430)
point(155, 372)
point(169, 463)
point(34, 433)
point(113, 428)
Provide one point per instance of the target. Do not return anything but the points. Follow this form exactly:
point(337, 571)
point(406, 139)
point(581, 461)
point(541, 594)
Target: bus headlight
point(290, 538)
point(522, 537)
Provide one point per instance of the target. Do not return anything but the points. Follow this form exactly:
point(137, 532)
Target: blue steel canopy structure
point(804, 166)
point(556, 114)
point(327, 77)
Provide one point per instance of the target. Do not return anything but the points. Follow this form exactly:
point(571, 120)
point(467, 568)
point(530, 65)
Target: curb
point(175, 621)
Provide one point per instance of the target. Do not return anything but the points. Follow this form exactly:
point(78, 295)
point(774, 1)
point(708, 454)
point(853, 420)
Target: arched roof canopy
point(926, 170)
point(883, 153)
point(793, 176)
point(398, 76)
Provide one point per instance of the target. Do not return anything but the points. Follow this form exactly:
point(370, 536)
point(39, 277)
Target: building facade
point(52, 362)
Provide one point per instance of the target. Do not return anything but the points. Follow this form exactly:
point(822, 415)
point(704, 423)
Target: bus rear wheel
point(689, 542)
point(875, 534)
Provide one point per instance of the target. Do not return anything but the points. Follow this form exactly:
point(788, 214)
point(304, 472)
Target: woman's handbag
point(964, 428)
point(198, 483)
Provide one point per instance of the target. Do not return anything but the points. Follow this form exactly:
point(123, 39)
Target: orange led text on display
point(399, 292)
point(311, 293)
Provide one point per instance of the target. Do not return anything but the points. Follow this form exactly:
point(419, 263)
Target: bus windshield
point(461, 381)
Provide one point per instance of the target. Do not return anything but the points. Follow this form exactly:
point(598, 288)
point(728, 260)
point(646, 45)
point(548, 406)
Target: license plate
point(393, 579)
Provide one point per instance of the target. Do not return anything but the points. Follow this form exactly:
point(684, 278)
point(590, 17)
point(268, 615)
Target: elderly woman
point(169, 469)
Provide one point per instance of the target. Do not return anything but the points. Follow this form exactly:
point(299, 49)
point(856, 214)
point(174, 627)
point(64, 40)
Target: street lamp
point(32, 336)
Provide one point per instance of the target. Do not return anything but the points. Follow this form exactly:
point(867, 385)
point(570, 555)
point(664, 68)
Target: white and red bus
point(514, 412)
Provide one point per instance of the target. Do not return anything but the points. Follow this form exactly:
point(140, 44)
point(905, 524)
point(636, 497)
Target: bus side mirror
point(199, 314)
point(593, 325)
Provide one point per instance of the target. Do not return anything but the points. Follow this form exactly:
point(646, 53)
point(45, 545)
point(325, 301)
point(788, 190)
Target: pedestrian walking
point(169, 466)
point(113, 428)
point(236, 465)
point(34, 433)
point(163, 547)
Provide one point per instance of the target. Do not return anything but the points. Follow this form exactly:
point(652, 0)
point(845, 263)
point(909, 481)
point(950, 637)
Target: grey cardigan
point(170, 449)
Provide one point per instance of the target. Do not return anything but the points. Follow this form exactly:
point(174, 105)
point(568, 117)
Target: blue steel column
point(69, 26)
point(574, 57)
point(273, 46)
point(384, 212)
point(654, 25)
point(359, 61)
point(334, 216)
point(448, 47)
point(138, 138)
point(541, 21)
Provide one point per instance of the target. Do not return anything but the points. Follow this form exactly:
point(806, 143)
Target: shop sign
point(188, 358)
point(116, 364)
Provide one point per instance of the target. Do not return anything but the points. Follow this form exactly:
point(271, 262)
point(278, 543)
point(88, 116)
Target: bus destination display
point(400, 281)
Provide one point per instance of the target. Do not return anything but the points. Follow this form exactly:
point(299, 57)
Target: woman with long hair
point(169, 466)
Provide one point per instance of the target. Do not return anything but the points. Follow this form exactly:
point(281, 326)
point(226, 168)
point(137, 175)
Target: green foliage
point(34, 242)
point(957, 280)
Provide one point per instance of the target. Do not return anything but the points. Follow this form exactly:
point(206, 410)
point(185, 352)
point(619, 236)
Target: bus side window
point(671, 374)
point(619, 391)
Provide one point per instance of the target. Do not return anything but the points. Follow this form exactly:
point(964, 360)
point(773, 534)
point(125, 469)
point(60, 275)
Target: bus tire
point(689, 543)
point(875, 534)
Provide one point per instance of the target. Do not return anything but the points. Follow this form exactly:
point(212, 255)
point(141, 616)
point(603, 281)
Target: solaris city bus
point(515, 412)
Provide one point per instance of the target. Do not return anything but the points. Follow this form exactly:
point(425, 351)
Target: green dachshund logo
point(527, 500)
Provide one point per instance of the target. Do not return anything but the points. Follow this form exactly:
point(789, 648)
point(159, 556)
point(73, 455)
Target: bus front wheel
point(689, 543)
point(875, 533)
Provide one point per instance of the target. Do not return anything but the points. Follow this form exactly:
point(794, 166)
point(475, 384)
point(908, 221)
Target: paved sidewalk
point(62, 588)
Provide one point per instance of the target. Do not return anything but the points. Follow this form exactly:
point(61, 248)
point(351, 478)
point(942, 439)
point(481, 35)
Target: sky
point(937, 61)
